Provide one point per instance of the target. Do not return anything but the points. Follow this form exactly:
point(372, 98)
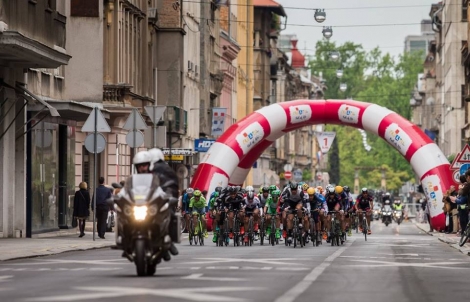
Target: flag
point(218, 118)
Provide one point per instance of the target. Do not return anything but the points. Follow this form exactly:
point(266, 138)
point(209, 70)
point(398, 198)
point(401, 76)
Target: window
point(464, 10)
point(84, 8)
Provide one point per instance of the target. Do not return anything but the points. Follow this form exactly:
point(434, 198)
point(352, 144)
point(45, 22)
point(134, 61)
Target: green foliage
point(307, 175)
point(371, 77)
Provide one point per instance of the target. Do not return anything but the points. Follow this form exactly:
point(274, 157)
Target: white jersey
point(252, 204)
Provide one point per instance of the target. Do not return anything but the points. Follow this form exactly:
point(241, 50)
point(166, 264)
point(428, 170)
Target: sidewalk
point(55, 243)
point(451, 239)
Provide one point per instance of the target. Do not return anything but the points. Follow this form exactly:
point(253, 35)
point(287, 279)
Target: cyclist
point(231, 201)
point(185, 201)
point(214, 213)
point(270, 210)
point(364, 202)
point(348, 201)
point(197, 206)
point(251, 206)
point(263, 197)
point(317, 209)
point(334, 203)
point(293, 200)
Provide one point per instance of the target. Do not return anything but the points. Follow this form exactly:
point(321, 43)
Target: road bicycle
point(196, 231)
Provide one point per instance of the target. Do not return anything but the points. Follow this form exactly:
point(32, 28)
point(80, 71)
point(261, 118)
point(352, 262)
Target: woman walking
point(81, 207)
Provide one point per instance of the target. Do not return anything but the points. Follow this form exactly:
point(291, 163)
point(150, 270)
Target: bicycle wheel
point(250, 231)
point(226, 232)
point(364, 228)
point(465, 235)
point(272, 235)
point(261, 231)
point(190, 232)
point(201, 234)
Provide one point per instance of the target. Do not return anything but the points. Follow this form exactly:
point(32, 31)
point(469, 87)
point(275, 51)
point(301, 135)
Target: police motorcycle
point(387, 215)
point(143, 216)
point(398, 216)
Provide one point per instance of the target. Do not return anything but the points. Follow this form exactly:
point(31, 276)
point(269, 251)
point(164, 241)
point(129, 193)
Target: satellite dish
point(181, 171)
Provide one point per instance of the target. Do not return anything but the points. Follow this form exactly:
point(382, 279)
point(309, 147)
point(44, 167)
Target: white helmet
point(250, 188)
point(142, 157)
point(156, 155)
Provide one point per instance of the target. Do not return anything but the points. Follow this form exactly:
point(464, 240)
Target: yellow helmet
point(311, 191)
point(339, 189)
point(305, 186)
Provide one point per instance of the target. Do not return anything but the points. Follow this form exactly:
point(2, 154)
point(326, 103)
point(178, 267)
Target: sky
point(345, 15)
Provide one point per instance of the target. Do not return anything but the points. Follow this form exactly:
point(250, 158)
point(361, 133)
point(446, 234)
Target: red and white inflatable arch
point(231, 157)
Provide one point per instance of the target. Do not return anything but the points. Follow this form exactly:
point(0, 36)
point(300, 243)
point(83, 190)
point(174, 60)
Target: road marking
point(200, 277)
point(58, 261)
point(5, 278)
point(188, 294)
point(272, 261)
point(440, 265)
point(58, 269)
point(302, 286)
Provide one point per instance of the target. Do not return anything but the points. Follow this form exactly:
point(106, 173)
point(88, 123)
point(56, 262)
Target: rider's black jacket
point(168, 178)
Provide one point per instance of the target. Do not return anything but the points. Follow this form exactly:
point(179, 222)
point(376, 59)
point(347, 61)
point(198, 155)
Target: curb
point(464, 250)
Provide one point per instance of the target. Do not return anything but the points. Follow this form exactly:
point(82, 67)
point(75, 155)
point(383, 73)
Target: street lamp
point(343, 87)
point(170, 122)
point(339, 73)
point(320, 15)
point(334, 55)
point(327, 31)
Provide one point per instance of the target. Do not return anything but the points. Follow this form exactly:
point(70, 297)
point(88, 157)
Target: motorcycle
point(110, 222)
point(387, 215)
point(143, 216)
point(398, 216)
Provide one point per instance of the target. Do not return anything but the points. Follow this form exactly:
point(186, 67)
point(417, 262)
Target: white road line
point(201, 278)
point(302, 286)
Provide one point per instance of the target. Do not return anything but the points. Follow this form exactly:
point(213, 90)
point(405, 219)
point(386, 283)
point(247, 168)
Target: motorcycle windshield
point(387, 208)
point(141, 185)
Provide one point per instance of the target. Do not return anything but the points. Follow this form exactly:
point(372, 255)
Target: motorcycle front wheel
point(140, 259)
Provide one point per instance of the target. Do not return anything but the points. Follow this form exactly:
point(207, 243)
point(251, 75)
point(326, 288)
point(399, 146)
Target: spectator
point(102, 208)
point(81, 207)
point(427, 213)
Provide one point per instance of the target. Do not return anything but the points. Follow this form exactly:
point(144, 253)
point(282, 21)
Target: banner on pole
point(325, 139)
point(218, 118)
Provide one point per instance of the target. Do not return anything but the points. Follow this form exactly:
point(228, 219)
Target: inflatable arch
point(231, 157)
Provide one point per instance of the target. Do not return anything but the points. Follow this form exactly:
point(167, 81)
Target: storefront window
point(44, 158)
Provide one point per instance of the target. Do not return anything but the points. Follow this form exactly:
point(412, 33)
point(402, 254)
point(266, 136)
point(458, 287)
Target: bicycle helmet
point(218, 189)
point(311, 191)
point(331, 190)
point(346, 189)
point(305, 187)
point(364, 190)
point(276, 193)
point(231, 190)
point(250, 195)
point(294, 186)
point(265, 189)
point(249, 189)
point(272, 188)
point(339, 189)
point(189, 190)
point(197, 193)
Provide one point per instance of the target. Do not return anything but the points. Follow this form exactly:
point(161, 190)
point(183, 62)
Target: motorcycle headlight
point(140, 213)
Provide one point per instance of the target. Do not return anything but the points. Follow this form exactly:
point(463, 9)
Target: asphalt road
point(397, 263)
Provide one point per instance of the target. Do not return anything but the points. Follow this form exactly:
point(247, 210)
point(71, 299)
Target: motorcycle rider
point(364, 202)
point(292, 200)
point(169, 184)
point(386, 202)
point(197, 206)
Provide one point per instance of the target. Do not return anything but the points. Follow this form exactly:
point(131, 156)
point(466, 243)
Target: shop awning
point(72, 110)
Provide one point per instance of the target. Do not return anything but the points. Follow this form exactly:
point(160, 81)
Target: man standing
point(102, 208)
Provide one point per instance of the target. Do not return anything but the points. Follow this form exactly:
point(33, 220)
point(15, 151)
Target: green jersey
point(198, 204)
point(271, 205)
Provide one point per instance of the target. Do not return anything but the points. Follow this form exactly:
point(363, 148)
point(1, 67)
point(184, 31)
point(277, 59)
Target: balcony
point(117, 94)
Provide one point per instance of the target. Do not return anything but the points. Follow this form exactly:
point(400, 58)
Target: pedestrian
point(102, 208)
point(81, 206)
point(428, 213)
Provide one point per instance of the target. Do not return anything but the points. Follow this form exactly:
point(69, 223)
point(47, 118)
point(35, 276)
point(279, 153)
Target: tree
point(371, 77)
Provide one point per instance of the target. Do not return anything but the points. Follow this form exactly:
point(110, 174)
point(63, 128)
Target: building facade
point(33, 132)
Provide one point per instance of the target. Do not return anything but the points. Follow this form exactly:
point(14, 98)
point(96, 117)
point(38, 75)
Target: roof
point(273, 5)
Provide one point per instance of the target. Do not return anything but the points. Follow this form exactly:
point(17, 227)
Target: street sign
point(464, 155)
point(287, 175)
point(288, 168)
point(155, 113)
point(135, 139)
point(464, 168)
point(298, 175)
point(101, 124)
point(456, 176)
point(90, 142)
point(203, 144)
point(455, 164)
point(178, 151)
point(135, 121)
point(325, 139)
